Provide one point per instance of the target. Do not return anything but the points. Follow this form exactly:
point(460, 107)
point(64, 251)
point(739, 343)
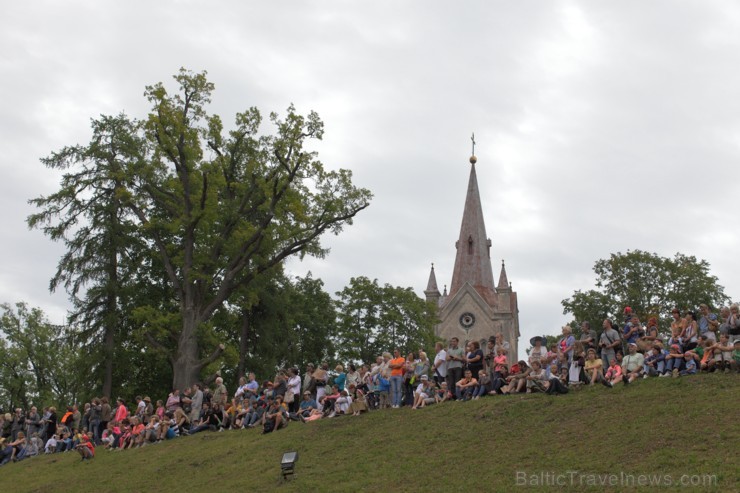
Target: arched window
point(470, 245)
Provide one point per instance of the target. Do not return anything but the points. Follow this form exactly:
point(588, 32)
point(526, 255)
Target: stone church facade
point(475, 308)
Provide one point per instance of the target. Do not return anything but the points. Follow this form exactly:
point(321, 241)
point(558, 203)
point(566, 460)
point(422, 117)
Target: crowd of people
point(622, 353)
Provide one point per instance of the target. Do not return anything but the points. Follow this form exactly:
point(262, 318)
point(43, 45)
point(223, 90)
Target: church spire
point(473, 261)
point(503, 280)
point(432, 291)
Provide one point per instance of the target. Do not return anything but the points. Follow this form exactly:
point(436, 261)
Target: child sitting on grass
point(613, 374)
point(690, 365)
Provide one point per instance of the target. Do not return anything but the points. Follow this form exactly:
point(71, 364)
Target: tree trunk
point(186, 366)
point(110, 318)
point(243, 345)
point(108, 347)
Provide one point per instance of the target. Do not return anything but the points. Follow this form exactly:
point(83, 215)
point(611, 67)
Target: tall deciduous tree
point(374, 318)
point(648, 283)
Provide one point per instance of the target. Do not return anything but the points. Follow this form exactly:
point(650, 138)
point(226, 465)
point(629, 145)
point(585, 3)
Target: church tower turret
point(432, 291)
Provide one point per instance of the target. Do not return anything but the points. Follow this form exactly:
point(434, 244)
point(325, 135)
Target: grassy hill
point(686, 426)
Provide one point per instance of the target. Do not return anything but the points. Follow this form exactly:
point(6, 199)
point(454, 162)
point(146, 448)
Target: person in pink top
point(121, 411)
point(613, 374)
point(160, 410)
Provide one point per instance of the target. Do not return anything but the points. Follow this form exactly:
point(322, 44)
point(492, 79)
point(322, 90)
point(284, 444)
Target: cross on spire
point(472, 138)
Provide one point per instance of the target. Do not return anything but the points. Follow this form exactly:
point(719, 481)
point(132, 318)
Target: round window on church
point(467, 320)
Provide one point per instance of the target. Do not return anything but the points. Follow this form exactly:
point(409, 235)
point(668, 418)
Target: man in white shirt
point(439, 370)
point(632, 364)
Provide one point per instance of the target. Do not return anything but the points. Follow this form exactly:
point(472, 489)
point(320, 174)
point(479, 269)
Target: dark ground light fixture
point(287, 464)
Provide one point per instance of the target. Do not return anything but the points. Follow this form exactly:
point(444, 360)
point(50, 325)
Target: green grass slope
point(687, 426)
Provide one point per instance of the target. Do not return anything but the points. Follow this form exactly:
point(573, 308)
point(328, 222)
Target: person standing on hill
point(196, 403)
point(608, 342)
point(454, 364)
point(220, 395)
point(439, 368)
point(106, 415)
point(121, 411)
point(397, 365)
point(588, 336)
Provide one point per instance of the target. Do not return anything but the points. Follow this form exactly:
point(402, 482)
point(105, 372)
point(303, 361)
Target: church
point(475, 308)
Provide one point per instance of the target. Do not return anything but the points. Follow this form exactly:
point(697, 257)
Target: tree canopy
point(374, 318)
point(648, 283)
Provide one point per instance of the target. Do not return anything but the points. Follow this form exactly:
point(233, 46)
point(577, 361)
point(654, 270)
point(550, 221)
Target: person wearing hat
point(423, 392)
point(538, 351)
point(148, 409)
point(358, 404)
point(632, 364)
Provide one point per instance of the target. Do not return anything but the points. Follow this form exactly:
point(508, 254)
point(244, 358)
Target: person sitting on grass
point(632, 364)
point(137, 432)
point(723, 354)
point(273, 419)
point(254, 414)
point(736, 356)
point(537, 378)
point(593, 367)
point(307, 405)
point(576, 365)
point(442, 393)
point(86, 448)
point(204, 423)
point(182, 421)
point(423, 392)
point(19, 447)
point(151, 432)
point(689, 365)
point(674, 360)
point(36, 445)
point(359, 404)
point(484, 385)
point(707, 359)
point(465, 386)
point(613, 373)
point(341, 404)
point(517, 379)
point(327, 401)
point(654, 363)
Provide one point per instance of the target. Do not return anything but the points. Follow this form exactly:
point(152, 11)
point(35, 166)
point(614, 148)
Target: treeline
point(290, 321)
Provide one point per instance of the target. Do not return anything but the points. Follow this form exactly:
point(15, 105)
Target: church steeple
point(503, 280)
point(432, 291)
point(473, 260)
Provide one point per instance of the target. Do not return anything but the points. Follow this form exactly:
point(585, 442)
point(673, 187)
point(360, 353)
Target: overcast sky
point(601, 126)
